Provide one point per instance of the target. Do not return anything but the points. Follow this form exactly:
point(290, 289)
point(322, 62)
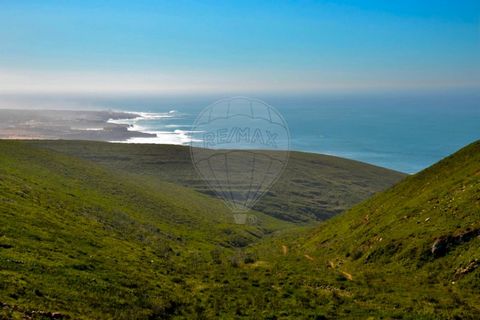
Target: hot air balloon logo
point(240, 147)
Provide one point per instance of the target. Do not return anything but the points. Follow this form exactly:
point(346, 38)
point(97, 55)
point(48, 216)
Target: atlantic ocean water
point(404, 132)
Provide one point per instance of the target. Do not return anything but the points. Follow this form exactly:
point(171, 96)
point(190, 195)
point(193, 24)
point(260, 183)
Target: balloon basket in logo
point(245, 218)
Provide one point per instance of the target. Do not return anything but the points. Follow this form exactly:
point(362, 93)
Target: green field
point(113, 231)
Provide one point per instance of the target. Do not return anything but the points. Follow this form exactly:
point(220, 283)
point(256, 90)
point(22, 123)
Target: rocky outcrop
point(442, 245)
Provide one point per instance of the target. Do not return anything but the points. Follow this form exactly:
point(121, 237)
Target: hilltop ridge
point(313, 187)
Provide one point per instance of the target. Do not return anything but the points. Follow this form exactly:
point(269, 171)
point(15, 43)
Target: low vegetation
point(312, 188)
point(82, 239)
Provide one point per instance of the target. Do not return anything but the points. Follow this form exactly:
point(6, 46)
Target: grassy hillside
point(91, 241)
point(412, 251)
point(82, 240)
point(313, 187)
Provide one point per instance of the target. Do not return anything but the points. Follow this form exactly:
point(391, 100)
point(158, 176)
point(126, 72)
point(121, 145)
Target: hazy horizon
point(251, 48)
point(114, 101)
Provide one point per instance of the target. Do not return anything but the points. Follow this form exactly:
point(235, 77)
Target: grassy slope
point(314, 187)
point(84, 240)
point(375, 260)
point(377, 257)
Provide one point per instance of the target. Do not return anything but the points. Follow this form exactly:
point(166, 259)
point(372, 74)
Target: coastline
point(408, 153)
point(42, 124)
point(139, 123)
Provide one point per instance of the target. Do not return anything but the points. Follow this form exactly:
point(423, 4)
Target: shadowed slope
point(313, 187)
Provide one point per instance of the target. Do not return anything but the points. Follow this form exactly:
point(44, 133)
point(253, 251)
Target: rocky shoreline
point(66, 125)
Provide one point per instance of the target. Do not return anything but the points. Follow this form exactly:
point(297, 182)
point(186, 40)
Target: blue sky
point(244, 46)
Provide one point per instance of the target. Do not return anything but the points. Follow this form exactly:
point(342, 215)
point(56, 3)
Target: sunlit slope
point(95, 243)
point(313, 187)
point(411, 252)
point(414, 248)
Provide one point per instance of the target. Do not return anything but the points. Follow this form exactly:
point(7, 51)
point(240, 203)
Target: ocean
point(404, 132)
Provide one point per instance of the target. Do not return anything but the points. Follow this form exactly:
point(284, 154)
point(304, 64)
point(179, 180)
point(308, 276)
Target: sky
point(238, 46)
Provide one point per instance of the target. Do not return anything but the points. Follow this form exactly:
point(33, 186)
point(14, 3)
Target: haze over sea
point(406, 132)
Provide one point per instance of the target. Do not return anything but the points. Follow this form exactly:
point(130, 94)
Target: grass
point(312, 188)
point(93, 237)
point(81, 239)
point(386, 242)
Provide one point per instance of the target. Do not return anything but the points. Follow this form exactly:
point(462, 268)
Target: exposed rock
point(472, 265)
point(50, 315)
point(441, 245)
point(26, 314)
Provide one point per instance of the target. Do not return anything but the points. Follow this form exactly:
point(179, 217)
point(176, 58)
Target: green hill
point(313, 187)
point(411, 252)
point(78, 238)
point(90, 240)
